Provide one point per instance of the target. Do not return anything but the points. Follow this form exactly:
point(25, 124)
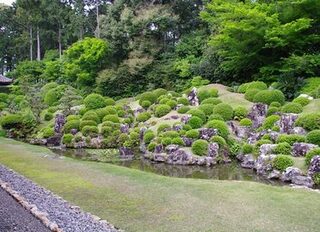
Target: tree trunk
point(38, 45)
point(98, 24)
point(30, 42)
point(59, 41)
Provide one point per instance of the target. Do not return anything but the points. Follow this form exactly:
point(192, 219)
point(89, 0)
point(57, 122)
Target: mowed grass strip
point(137, 201)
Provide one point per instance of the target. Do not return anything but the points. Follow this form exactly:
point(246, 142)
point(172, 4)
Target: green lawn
point(138, 201)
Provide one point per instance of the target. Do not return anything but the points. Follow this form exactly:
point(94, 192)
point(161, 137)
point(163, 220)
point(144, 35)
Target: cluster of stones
point(263, 163)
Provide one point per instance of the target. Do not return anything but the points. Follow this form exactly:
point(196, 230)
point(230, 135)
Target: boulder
point(263, 164)
point(241, 132)
point(207, 133)
point(314, 166)
point(213, 150)
point(60, 120)
point(41, 142)
point(143, 148)
point(275, 174)
point(159, 148)
point(141, 133)
point(298, 130)
point(174, 117)
point(287, 121)
point(247, 161)
point(124, 128)
point(302, 181)
point(172, 148)
point(185, 118)
point(258, 114)
point(138, 111)
point(126, 152)
point(177, 127)
point(96, 143)
point(161, 157)
point(73, 131)
point(267, 149)
point(193, 97)
point(290, 173)
point(81, 144)
point(187, 141)
point(301, 149)
point(180, 157)
point(54, 141)
point(274, 135)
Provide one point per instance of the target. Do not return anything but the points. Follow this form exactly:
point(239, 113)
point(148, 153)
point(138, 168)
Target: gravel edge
point(43, 216)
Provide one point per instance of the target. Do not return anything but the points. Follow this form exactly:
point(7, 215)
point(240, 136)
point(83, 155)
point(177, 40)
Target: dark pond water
point(232, 171)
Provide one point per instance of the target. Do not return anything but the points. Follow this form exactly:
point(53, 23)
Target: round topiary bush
point(52, 96)
point(247, 148)
point(314, 137)
point(240, 112)
point(146, 104)
point(245, 122)
point(92, 116)
point(221, 126)
point(275, 104)
point(186, 127)
point(281, 162)
point(4, 97)
point(269, 96)
point(148, 96)
point(215, 117)
point(263, 141)
point(219, 140)
point(152, 146)
point(195, 122)
point(243, 88)
point(257, 85)
point(109, 101)
point(303, 101)
point(206, 108)
point(111, 118)
point(283, 148)
point(144, 116)
point(211, 101)
point(90, 131)
point(84, 123)
point(106, 130)
point(164, 100)
point(183, 109)
point(200, 147)
point(11, 121)
point(47, 132)
point(170, 134)
point(166, 141)
point(73, 117)
point(67, 139)
point(273, 110)
point(94, 101)
point(48, 116)
point(291, 139)
point(310, 155)
point(171, 103)
point(292, 107)
point(224, 110)
point(178, 141)
point(193, 134)
point(250, 94)
point(309, 121)
point(72, 124)
point(163, 127)
point(208, 93)
point(270, 121)
point(160, 92)
point(162, 110)
point(198, 113)
point(148, 136)
point(183, 101)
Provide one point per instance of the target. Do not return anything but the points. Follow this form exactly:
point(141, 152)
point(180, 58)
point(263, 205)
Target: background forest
point(124, 47)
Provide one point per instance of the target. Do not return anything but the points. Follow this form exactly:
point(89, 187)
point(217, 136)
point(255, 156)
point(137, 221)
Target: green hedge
point(94, 101)
point(200, 147)
point(162, 110)
point(269, 96)
point(292, 107)
point(309, 121)
point(314, 137)
point(281, 162)
point(224, 110)
point(221, 126)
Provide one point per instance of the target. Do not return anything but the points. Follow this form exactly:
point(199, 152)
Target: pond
point(232, 171)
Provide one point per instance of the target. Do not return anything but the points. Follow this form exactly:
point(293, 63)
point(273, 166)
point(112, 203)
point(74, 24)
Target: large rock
point(290, 173)
point(124, 128)
point(60, 120)
point(180, 157)
point(303, 181)
point(185, 118)
point(54, 141)
point(241, 132)
point(263, 164)
point(187, 141)
point(172, 148)
point(258, 114)
point(267, 149)
point(275, 174)
point(213, 150)
point(207, 133)
point(41, 142)
point(193, 97)
point(96, 143)
point(314, 166)
point(287, 122)
point(301, 149)
point(298, 131)
point(161, 157)
point(159, 148)
point(247, 161)
point(126, 152)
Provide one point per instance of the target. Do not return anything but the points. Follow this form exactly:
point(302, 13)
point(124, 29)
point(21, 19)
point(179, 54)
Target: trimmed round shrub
point(170, 134)
point(206, 108)
point(243, 87)
point(84, 123)
point(172, 103)
point(110, 110)
point(198, 113)
point(270, 121)
point(193, 134)
point(90, 131)
point(275, 104)
point(291, 139)
point(200, 147)
point(11, 121)
point(111, 118)
point(166, 141)
point(152, 146)
point(106, 130)
point(178, 141)
point(292, 107)
point(67, 138)
point(211, 101)
point(183, 109)
point(48, 116)
point(316, 178)
point(52, 97)
point(160, 92)
point(269, 96)
point(257, 85)
point(224, 110)
point(303, 101)
point(186, 127)
point(195, 122)
point(182, 132)
point(245, 122)
point(283, 148)
point(173, 94)
point(94, 101)
point(208, 93)
point(162, 110)
point(273, 110)
point(314, 137)
point(183, 101)
point(4, 97)
point(221, 126)
point(91, 116)
point(266, 136)
point(275, 128)
point(146, 104)
point(47, 132)
point(247, 148)
point(72, 124)
point(148, 96)
point(109, 101)
point(215, 117)
point(148, 137)
point(164, 100)
point(240, 112)
point(219, 140)
point(309, 121)
point(144, 116)
point(310, 155)
point(163, 127)
point(281, 162)
point(250, 94)
point(73, 117)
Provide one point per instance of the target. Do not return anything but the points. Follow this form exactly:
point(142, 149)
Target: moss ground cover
point(138, 201)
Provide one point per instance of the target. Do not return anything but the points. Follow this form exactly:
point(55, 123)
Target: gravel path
point(13, 217)
point(58, 211)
